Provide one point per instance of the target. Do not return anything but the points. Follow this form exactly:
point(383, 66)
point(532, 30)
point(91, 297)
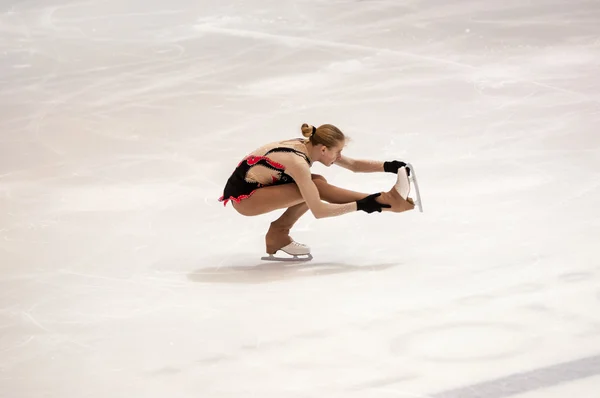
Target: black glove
point(393, 166)
point(369, 204)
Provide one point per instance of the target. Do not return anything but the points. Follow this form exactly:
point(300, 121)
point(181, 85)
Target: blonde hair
point(327, 135)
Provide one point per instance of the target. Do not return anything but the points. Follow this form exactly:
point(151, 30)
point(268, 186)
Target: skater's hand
point(393, 166)
point(370, 205)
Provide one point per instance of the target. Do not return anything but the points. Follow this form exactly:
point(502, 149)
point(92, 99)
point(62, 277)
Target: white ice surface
point(122, 276)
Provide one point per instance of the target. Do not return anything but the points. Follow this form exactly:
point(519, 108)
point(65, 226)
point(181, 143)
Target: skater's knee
point(318, 179)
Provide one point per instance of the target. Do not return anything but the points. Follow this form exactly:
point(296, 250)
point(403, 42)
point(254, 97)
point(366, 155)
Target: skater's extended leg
point(277, 197)
point(332, 194)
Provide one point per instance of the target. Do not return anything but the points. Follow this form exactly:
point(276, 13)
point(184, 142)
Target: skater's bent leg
point(278, 235)
point(291, 215)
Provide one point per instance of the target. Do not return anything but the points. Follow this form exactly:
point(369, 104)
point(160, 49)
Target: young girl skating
point(277, 176)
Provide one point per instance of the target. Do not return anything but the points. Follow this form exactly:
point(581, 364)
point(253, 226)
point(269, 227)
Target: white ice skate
point(298, 251)
point(404, 182)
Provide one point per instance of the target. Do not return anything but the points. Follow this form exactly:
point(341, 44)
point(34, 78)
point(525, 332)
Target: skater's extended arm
point(360, 165)
point(369, 166)
point(310, 193)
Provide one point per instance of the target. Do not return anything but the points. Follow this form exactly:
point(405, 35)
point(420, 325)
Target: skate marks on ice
point(271, 272)
point(524, 382)
point(237, 351)
point(445, 343)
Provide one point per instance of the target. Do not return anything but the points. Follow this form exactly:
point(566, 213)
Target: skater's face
point(331, 155)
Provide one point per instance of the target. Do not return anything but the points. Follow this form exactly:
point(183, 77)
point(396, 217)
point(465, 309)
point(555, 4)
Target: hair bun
point(308, 130)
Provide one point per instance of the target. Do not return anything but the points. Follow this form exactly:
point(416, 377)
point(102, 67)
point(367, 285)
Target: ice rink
point(122, 276)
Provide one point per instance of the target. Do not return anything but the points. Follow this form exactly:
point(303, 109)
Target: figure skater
point(277, 176)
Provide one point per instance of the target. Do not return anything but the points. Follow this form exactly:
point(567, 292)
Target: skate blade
point(294, 258)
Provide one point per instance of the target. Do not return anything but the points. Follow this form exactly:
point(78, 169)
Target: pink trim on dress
point(252, 160)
